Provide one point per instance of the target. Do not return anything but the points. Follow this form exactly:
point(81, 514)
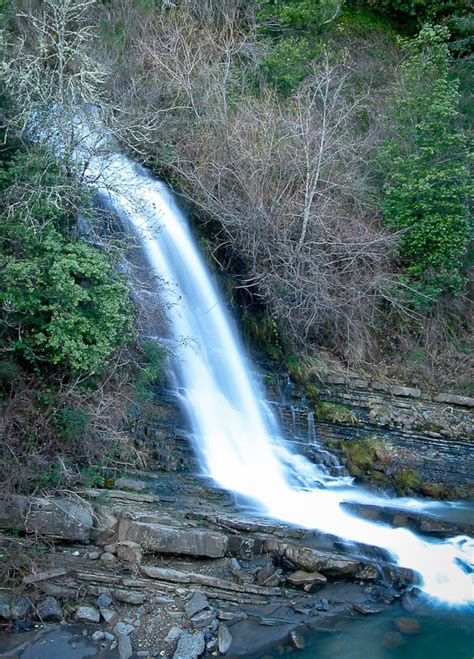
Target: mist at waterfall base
point(236, 436)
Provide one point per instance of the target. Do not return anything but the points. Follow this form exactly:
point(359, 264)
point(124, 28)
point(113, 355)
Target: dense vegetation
point(324, 143)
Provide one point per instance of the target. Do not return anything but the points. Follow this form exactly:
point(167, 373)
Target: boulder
point(130, 552)
point(109, 616)
point(170, 540)
point(49, 609)
point(224, 638)
point(306, 580)
point(14, 607)
point(87, 614)
point(203, 619)
point(190, 646)
point(51, 517)
point(314, 560)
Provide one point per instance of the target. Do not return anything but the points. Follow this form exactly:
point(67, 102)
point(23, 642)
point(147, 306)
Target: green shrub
point(62, 302)
point(288, 63)
point(427, 177)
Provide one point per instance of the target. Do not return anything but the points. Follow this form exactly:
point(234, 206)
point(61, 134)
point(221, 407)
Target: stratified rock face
point(49, 517)
point(306, 580)
point(168, 540)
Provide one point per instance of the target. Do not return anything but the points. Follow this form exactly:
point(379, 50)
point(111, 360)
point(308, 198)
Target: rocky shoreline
point(173, 567)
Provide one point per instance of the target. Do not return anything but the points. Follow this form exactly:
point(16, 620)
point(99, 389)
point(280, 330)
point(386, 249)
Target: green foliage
point(419, 10)
point(300, 15)
point(288, 63)
point(425, 163)
point(151, 370)
point(62, 301)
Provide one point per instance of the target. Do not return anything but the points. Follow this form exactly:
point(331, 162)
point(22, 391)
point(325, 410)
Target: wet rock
point(313, 560)
point(49, 609)
point(408, 602)
point(393, 640)
point(296, 640)
point(203, 619)
point(168, 540)
point(224, 638)
point(268, 576)
point(104, 601)
point(367, 572)
point(306, 580)
point(190, 646)
point(98, 636)
point(368, 609)
point(87, 614)
point(130, 552)
point(197, 603)
point(407, 625)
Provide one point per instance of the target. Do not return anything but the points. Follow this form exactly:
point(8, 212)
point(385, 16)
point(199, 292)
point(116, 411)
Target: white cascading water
point(236, 436)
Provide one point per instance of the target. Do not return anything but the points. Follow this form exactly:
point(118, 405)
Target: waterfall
point(236, 436)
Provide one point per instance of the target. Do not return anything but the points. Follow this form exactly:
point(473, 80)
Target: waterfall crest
point(236, 436)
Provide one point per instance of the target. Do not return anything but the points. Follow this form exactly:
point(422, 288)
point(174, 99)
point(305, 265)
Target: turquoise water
point(444, 634)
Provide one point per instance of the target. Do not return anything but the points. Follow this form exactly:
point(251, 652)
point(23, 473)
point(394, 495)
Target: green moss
point(407, 480)
point(335, 413)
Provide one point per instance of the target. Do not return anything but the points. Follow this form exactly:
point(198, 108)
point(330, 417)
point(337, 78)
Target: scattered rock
point(296, 640)
point(143, 653)
point(268, 576)
point(224, 638)
point(125, 649)
point(124, 628)
point(87, 614)
point(203, 619)
point(197, 603)
point(306, 580)
point(107, 557)
point(109, 616)
point(129, 551)
point(98, 636)
point(5, 606)
point(49, 609)
point(190, 646)
point(173, 635)
point(109, 637)
point(104, 601)
point(407, 625)
point(111, 548)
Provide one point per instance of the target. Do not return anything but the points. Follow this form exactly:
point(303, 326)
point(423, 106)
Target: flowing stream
point(236, 436)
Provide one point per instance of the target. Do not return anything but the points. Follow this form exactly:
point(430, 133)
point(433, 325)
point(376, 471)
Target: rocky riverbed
point(169, 566)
